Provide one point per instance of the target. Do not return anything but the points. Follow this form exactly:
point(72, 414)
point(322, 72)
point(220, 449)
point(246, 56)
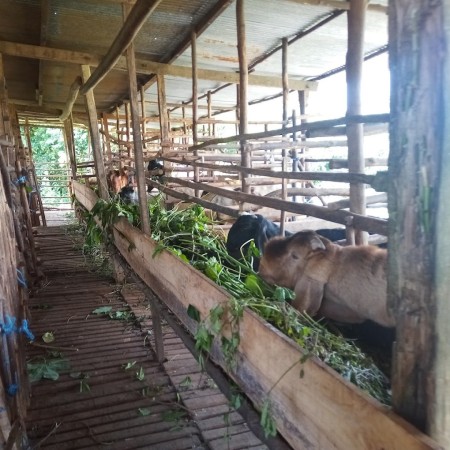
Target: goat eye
point(294, 256)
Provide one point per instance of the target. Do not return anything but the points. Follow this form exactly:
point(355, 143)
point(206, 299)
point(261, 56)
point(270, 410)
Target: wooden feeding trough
point(316, 411)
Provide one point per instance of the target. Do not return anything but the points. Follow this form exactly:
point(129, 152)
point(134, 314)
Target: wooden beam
point(138, 15)
point(45, 16)
point(150, 67)
point(145, 67)
point(48, 53)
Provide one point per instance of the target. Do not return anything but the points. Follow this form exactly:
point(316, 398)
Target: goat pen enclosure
point(318, 410)
point(181, 55)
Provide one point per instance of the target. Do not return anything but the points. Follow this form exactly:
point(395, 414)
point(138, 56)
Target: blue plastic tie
point(21, 180)
point(2, 409)
point(25, 330)
point(12, 390)
point(21, 279)
point(9, 326)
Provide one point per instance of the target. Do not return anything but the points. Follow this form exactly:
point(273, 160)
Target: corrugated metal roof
point(91, 25)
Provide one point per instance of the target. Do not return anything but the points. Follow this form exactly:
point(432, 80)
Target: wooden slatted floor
point(96, 402)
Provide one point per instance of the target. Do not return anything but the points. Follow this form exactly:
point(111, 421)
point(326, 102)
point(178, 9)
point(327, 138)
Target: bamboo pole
point(354, 63)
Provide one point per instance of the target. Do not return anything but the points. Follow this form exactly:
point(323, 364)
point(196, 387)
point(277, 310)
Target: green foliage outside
point(52, 163)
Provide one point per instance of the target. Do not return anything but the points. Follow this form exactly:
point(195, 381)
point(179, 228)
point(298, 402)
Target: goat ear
point(316, 243)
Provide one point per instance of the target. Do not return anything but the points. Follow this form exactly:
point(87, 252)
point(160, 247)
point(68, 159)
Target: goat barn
point(316, 114)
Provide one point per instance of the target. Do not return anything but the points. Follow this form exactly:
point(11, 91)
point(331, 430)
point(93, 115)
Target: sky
point(330, 99)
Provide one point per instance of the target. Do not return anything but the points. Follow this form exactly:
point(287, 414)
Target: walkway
point(113, 394)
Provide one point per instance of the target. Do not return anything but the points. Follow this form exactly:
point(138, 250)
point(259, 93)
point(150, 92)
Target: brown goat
point(117, 179)
point(347, 284)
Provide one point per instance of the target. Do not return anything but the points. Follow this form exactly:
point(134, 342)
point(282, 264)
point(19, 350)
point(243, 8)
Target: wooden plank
point(86, 196)
point(334, 413)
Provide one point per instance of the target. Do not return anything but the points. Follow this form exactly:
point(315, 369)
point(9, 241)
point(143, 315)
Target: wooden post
point(418, 201)
point(163, 117)
point(127, 129)
point(137, 138)
point(32, 173)
point(107, 139)
point(95, 136)
point(285, 81)
point(243, 85)
point(210, 126)
point(355, 55)
point(5, 123)
point(195, 103)
point(142, 188)
point(119, 139)
point(142, 92)
point(70, 145)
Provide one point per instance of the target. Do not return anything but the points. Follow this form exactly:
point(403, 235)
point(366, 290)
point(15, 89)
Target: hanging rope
point(9, 326)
